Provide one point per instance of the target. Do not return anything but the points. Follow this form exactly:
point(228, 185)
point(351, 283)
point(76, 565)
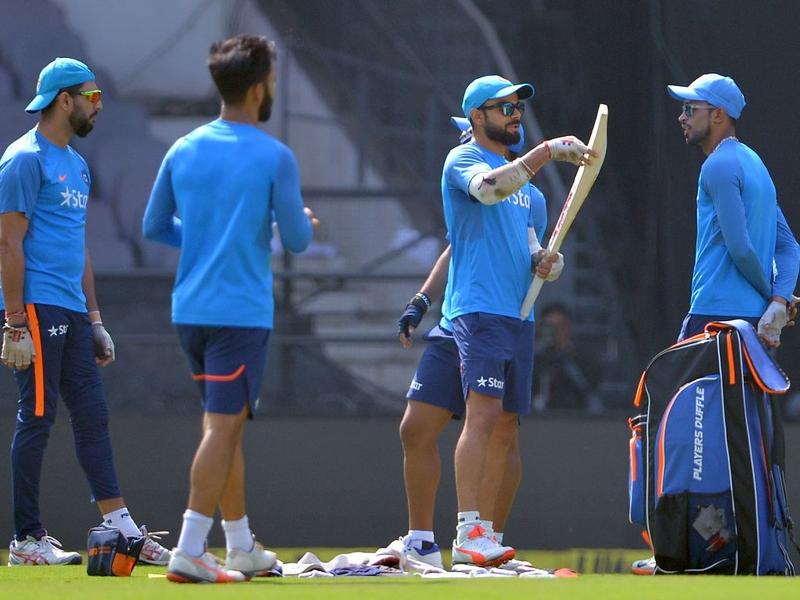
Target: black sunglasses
point(688, 109)
point(507, 108)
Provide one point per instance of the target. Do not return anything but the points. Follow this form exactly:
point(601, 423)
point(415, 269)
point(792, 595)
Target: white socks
point(238, 534)
point(121, 519)
point(194, 532)
point(420, 535)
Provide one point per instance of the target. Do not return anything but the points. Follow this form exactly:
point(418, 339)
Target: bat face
point(583, 182)
point(584, 179)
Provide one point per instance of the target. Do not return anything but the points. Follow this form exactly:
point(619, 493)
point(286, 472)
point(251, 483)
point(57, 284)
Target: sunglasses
point(92, 96)
point(688, 109)
point(507, 108)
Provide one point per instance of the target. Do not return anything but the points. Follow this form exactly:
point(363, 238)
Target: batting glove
point(556, 268)
point(103, 345)
point(18, 351)
point(772, 322)
point(567, 149)
point(412, 315)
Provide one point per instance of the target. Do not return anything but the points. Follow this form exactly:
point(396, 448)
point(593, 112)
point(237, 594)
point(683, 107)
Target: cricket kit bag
point(111, 553)
point(707, 461)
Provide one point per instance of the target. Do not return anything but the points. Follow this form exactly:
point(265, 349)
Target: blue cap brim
point(680, 92)
point(522, 90)
point(41, 101)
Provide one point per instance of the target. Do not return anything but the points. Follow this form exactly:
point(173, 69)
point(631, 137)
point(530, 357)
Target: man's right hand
point(18, 351)
point(570, 149)
point(411, 317)
point(312, 217)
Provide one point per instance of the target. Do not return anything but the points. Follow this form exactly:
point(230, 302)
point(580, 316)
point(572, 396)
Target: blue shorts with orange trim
point(227, 363)
point(496, 355)
point(437, 380)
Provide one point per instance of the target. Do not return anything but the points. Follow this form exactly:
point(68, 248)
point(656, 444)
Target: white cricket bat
point(584, 180)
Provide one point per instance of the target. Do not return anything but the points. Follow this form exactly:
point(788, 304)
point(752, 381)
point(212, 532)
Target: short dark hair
point(71, 90)
point(238, 63)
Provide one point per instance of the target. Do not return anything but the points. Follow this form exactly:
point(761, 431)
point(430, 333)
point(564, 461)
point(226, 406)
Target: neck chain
point(722, 141)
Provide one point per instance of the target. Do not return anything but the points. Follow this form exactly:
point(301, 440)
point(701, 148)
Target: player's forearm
point(166, 229)
point(496, 185)
point(787, 260)
point(87, 283)
point(750, 267)
point(434, 285)
point(12, 276)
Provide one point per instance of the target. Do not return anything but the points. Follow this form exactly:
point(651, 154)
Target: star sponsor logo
point(58, 330)
point(491, 382)
point(519, 198)
point(74, 198)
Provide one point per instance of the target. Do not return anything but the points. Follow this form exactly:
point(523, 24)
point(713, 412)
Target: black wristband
point(421, 301)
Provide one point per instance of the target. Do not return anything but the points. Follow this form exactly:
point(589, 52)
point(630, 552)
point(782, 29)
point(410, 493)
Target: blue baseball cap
point(463, 126)
point(59, 74)
point(491, 87)
point(717, 90)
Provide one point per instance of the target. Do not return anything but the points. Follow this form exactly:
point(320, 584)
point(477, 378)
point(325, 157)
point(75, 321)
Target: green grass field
point(148, 582)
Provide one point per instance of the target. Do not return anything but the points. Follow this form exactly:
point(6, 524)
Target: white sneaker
point(257, 562)
point(152, 552)
point(644, 566)
point(184, 568)
point(393, 554)
point(44, 551)
point(477, 548)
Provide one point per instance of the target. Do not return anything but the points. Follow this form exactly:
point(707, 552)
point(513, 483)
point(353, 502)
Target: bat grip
point(530, 297)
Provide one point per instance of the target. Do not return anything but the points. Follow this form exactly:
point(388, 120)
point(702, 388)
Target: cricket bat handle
point(530, 297)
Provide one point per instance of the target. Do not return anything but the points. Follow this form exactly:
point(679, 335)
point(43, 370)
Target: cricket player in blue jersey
point(435, 397)
point(746, 256)
point(53, 337)
point(495, 253)
point(216, 196)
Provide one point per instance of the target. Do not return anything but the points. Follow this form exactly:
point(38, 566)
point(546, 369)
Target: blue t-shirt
point(737, 214)
point(538, 220)
point(490, 268)
point(217, 193)
point(50, 184)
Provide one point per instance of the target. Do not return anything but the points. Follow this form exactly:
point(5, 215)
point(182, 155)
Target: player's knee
point(415, 434)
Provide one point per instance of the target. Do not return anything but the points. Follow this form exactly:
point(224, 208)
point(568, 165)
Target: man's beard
point(501, 134)
point(81, 124)
point(265, 110)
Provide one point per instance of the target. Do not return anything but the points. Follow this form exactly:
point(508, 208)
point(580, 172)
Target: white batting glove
point(772, 322)
point(567, 149)
point(556, 268)
point(18, 352)
point(103, 345)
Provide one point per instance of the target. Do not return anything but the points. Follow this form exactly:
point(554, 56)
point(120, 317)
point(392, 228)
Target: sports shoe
point(425, 552)
point(44, 551)
point(184, 568)
point(152, 552)
point(645, 566)
point(256, 562)
point(477, 548)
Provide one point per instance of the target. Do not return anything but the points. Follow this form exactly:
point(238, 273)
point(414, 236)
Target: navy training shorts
point(496, 355)
point(227, 363)
point(437, 380)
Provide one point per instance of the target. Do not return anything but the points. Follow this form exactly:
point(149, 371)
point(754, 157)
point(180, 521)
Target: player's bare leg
point(483, 413)
point(419, 432)
point(232, 504)
point(473, 544)
point(213, 460)
point(501, 472)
